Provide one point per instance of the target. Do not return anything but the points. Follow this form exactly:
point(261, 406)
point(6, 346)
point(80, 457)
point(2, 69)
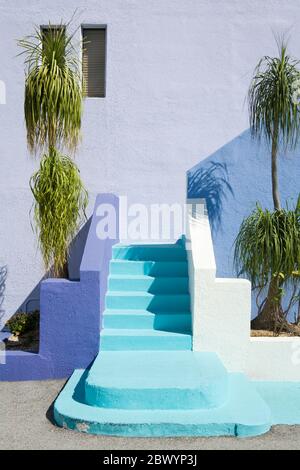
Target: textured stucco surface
point(177, 75)
point(70, 315)
point(248, 167)
point(221, 309)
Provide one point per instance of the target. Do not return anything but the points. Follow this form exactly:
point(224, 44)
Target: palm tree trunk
point(269, 317)
point(275, 185)
point(64, 272)
point(272, 317)
point(60, 272)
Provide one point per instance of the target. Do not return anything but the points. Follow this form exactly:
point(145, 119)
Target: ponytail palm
point(267, 251)
point(273, 107)
point(268, 243)
point(53, 91)
point(53, 108)
point(60, 203)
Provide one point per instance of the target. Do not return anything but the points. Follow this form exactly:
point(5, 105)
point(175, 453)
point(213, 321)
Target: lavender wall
point(177, 76)
point(70, 314)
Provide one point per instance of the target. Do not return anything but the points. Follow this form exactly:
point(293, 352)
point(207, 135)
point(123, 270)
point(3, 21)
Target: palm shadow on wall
point(211, 182)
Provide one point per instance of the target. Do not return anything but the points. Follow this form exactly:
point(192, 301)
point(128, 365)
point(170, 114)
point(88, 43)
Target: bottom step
point(244, 414)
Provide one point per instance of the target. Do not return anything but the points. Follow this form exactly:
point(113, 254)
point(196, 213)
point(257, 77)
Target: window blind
point(93, 61)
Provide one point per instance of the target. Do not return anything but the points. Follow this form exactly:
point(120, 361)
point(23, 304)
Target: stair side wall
point(221, 310)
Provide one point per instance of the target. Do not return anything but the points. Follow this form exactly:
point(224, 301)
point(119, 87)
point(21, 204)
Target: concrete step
point(243, 414)
point(163, 252)
point(142, 319)
point(153, 285)
point(149, 268)
point(156, 380)
point(146, 301)
point(143, 340)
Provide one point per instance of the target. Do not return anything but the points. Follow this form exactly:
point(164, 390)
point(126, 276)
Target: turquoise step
point(153, 285)
point(139, 340)
point(150, 380)
point(145, 301)
point(142, 319)
point(149, 252)
point(243, 414)
point(149, 268)
point(146, 381)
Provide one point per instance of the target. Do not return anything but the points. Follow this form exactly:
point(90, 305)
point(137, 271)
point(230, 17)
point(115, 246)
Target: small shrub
point(23, 322)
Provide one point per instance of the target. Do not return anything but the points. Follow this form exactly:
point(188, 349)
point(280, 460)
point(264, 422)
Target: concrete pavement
point(26, 423)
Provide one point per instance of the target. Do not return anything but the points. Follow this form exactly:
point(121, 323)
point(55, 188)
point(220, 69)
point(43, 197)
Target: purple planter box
point(70, 315)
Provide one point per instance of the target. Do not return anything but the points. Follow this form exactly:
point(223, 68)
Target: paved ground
point(25, 423)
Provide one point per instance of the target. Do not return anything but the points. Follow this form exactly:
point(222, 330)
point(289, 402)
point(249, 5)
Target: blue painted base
point(244, 414)
point(156, 380)
point(283, 398)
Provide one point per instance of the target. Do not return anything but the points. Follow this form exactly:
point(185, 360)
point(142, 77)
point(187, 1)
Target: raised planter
point(221, 310)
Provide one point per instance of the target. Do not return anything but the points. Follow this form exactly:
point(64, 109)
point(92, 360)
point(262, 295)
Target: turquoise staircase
point(146, 380)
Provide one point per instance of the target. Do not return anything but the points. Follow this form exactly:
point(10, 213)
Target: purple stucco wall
point(177, 77)
point(70, 315)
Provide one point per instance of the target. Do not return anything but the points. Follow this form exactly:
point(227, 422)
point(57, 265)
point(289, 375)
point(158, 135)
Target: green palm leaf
point(59, 210)
point(53, 89)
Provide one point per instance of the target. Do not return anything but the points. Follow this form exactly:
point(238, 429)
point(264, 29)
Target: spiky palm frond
point(60, 203)
point(268, 244)
point(53, 90)
point(273, 111)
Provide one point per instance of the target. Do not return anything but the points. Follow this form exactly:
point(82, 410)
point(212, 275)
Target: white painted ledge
point(274, 358)
point(221, 311)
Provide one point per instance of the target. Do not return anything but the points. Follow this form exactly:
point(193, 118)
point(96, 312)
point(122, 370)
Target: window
point(94, 61)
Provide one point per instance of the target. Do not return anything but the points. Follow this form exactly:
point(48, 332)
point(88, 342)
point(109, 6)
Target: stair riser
point(161, 430)
point(243, 415)
point(149, 268)
point(145, 343)
point(156, 303)
point(151, 399)
point(153, 286)
point(141, 253)
point(164, 322)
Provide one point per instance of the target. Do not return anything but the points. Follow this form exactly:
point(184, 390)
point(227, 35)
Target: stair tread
point(120, 260)
point(244, 414)
point(149, 252)
point(111, 311)
point(158, 269)
point(144, 276)
point(143, 319)
point(138, 293)
point(142, 332)
point(155, 369)
point(174, 246)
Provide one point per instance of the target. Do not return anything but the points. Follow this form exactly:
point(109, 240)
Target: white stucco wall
point(221, 310)
point(177, 76)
